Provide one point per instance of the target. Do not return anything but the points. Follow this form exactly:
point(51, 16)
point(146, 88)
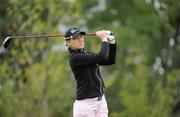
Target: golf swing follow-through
point(90, 91)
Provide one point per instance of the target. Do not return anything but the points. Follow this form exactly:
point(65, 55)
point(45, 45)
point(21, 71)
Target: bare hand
point(102, 36)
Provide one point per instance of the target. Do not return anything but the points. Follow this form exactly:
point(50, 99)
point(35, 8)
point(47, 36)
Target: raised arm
point(82, 58)
point(112, 49)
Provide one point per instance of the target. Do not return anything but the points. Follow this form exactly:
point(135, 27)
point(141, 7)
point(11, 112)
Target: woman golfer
point(90, 99)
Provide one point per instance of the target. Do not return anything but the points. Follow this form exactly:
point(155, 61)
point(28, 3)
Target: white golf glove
point(110, 36)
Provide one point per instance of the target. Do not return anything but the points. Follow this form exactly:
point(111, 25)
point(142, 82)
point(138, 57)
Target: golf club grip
point(91, 34)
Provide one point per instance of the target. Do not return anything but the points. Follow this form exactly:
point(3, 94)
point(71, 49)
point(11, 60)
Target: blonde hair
point(67, 43)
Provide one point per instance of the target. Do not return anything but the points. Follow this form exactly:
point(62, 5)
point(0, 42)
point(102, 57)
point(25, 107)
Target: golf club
point(8, 39)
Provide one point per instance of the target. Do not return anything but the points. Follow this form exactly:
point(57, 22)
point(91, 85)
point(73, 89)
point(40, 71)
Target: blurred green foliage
point(35, 78)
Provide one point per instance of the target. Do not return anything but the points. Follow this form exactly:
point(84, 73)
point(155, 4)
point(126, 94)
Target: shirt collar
point(72, 50)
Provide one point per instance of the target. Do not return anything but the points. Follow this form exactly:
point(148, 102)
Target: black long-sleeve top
point(85, 67)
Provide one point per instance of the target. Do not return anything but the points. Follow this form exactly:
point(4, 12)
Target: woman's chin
point(81, 47)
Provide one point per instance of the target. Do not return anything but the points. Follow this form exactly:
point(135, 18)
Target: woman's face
point(77, 43)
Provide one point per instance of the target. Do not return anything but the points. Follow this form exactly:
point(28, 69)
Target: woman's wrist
point(104, 39)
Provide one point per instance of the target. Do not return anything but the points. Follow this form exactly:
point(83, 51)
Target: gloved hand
point(110, 36)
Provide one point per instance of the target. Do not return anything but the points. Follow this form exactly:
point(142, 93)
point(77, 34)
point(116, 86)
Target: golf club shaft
point(45, 36)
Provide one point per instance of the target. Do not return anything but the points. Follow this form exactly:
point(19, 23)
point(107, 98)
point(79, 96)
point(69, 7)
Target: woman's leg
point(102, 108)
point(84, 108)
